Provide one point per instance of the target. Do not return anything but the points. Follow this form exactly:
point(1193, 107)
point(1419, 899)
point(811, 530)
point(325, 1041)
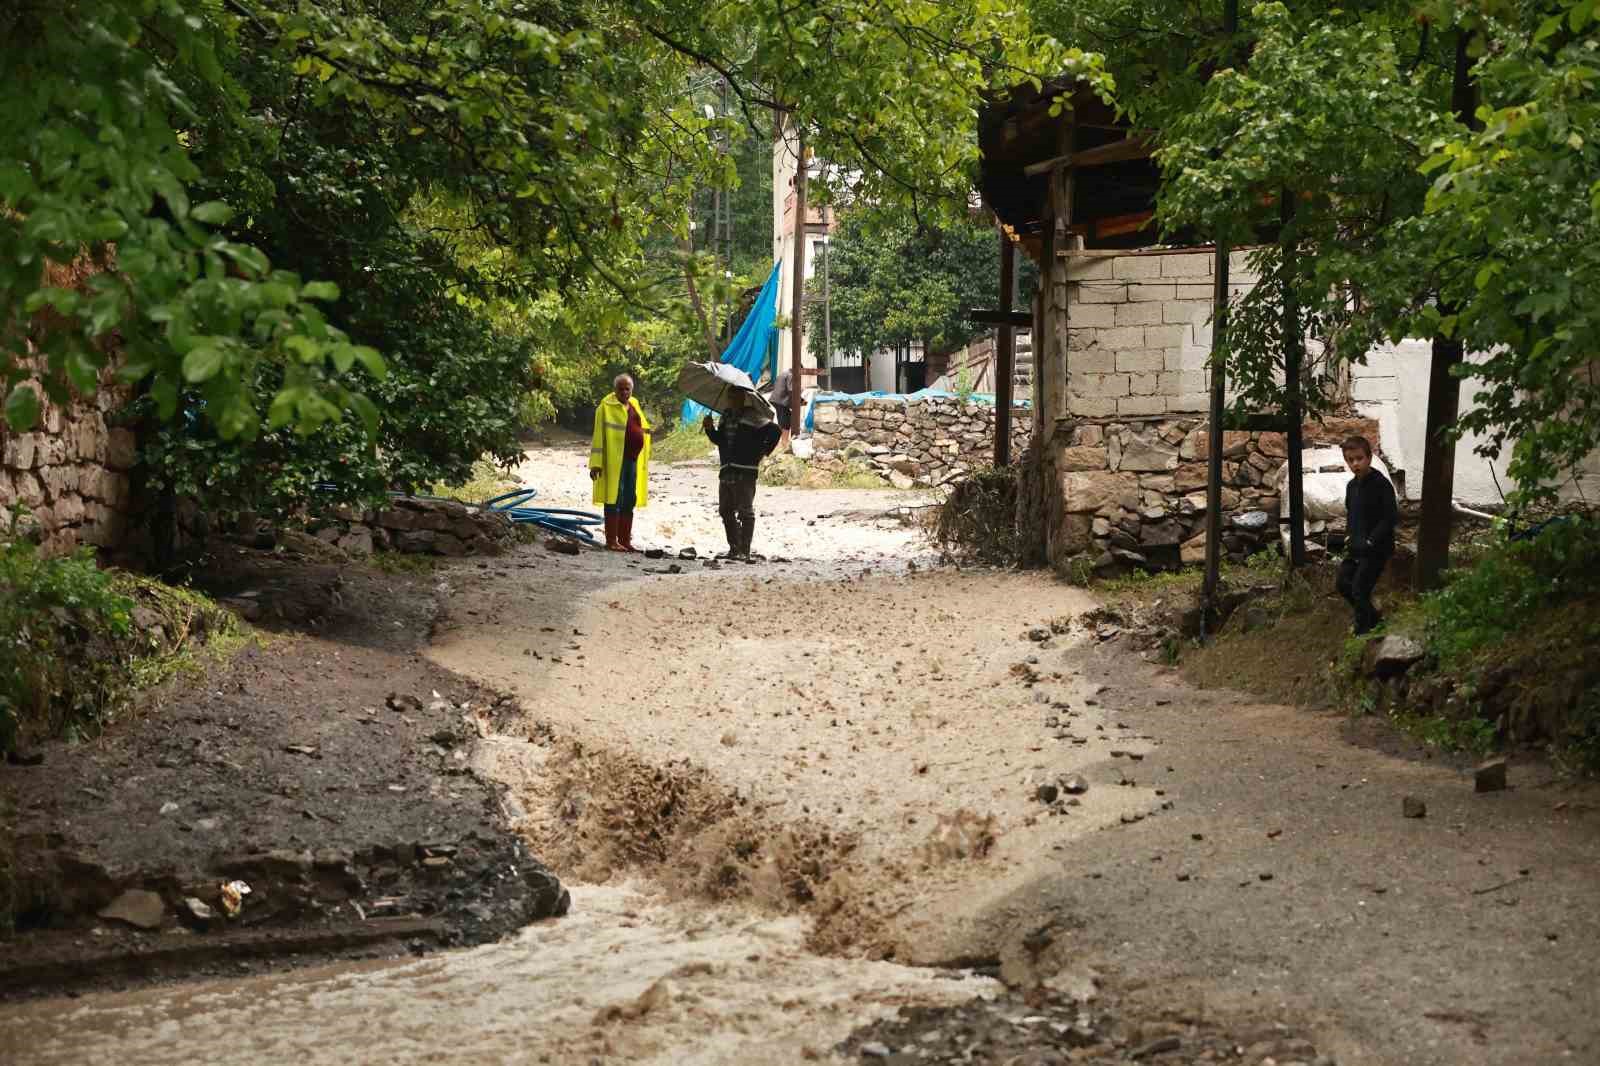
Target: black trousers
point(736, 502)
point(1358, 576)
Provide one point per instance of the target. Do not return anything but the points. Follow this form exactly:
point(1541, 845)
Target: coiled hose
point(514, 505)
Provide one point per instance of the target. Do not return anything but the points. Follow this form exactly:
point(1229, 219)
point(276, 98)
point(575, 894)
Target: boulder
point(1095, 491)
point(1392, 655)
point(137, 907)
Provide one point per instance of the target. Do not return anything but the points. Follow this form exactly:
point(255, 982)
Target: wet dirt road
point(762, 782)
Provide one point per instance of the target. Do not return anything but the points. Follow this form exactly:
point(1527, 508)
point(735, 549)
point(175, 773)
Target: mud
point(287, 768)
point(770, 788)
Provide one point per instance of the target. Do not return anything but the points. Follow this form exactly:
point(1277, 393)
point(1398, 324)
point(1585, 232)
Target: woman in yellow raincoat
point(619, 461)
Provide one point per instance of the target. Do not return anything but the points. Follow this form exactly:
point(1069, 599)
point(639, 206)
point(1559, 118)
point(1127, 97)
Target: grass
point(485, 483)
point(401, 563)
point(794, 472)
point(1509, 644)
point(196, 633)
point(686, 443)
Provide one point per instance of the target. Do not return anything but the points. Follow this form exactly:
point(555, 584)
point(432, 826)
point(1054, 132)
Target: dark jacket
point(1373, 514)
point(743, 446)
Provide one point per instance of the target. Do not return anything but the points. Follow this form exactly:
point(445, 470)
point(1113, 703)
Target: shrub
point(53, 612)
point(1509, 585)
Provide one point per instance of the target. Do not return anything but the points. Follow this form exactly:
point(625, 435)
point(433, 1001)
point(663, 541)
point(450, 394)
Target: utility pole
point(827, 314)
point(798, 305)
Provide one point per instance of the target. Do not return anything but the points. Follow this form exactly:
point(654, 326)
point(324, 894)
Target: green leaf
point(212, 213)
point(22, 408)
point(370, 359)
point(320, 290)
point(367, 411)
point(202, 363)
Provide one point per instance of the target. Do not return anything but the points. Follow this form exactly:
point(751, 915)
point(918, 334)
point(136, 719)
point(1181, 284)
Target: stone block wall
point(71, 471)
point(916, 442)
point(1139, 331)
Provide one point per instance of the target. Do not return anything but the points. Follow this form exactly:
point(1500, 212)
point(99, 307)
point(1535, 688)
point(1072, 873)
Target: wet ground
point(815, 809)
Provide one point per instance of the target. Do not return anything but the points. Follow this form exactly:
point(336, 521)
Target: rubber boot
point(612, 522)
point(730, 526)
point(747, 533)
point(625, 531)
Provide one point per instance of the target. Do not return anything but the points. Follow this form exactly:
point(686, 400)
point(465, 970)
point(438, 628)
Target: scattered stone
point(1490, 776)
point(1038, 634)
point(874, 1050)
point(404, 703)
point(688, 553)
point(1157, 1047)
point(197, 911)
point(1264, 876)
point(729, 739)
point(1413, 807)
point(1392, 655)
point(563, 545)
point(654, 553)
point(168, 807)
point(137, 907)
point(1074, 785)
point(1047, 793)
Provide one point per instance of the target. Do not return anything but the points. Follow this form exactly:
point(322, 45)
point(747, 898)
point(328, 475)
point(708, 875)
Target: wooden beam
point(1005, 353)
point(1117, 225)
point(985, 317)
point(1138, 146)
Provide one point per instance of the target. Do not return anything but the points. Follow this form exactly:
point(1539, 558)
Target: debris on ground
point(1042, 1026)
point(1413, 807)
point(1490, 776)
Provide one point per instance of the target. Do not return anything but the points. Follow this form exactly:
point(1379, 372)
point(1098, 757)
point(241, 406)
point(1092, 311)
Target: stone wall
point(916, 442)
point(71, 471)
point(417, 527)
point(1132, 492)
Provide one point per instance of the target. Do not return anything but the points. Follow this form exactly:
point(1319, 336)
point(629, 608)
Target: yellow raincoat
point(605, 454)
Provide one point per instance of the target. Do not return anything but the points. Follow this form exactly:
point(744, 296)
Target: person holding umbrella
point(619, 461)
point(746, 436)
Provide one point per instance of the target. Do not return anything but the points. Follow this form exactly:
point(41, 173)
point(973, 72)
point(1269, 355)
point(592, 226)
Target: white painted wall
point(1393, 388)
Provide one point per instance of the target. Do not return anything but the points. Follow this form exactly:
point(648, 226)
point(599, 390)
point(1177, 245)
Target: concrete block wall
point(1139, 331)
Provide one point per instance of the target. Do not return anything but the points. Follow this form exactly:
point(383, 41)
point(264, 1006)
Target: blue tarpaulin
point(750, 347)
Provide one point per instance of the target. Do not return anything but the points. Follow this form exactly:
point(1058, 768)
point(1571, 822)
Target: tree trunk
point(1444, 393)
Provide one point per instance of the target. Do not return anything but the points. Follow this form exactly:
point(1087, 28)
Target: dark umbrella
point(723, 388)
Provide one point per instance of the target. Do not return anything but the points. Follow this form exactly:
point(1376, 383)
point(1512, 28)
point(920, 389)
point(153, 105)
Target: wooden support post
point(1293, 357)
point(1219, 395)
point(798, 305)
point(1050, 369)
point(1005, 358)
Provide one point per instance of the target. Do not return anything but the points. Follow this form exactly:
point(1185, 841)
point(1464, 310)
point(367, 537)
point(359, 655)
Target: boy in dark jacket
point(1369, 502)
point(741, 444)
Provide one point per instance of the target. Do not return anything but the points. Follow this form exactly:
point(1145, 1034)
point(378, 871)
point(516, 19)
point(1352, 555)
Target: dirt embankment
point(326, 766)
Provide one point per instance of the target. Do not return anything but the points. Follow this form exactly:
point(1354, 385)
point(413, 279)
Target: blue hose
point(563, 520)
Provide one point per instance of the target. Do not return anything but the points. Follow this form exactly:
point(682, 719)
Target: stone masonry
point(1133, 492)
point(917, 442)
point(71, 471)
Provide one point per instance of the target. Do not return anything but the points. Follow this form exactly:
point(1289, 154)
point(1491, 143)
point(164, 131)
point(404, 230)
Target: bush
point(1509, 585)
point(53, 612)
